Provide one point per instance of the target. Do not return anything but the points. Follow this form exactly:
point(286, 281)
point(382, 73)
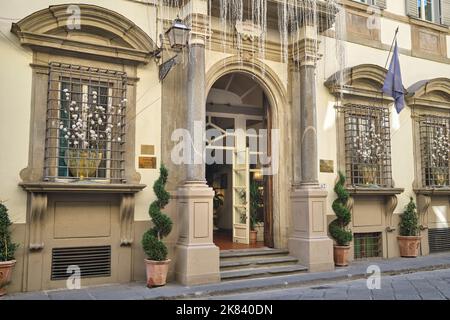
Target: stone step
point(260, 272)
point(229, 254)
point(251, 262)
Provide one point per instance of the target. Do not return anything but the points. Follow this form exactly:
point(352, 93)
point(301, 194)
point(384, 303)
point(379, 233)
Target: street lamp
point(178, 35)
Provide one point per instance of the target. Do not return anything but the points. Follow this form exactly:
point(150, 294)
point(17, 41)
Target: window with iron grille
point(367, 145)
point(85, 137)
point(367, 245)
point(435, 148)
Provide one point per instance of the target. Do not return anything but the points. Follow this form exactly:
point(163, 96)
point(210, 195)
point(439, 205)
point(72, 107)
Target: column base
point(309, 241)
point(197, 264)
point(316, 254)
point(197, 256)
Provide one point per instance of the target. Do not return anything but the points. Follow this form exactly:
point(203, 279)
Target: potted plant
point(255, 200)
point(409, 238)
point(157, 264)
point(338, 227)
point(7, 250)
point(217, 203)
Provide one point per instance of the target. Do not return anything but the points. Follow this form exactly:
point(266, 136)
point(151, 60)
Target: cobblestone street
point(428, 285)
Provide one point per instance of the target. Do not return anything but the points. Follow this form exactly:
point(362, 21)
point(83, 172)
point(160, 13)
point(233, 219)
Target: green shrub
point(154, 248)
point(409, 220)
point(7, 248)
point(338, 227)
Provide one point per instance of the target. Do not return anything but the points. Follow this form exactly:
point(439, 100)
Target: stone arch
point(102, 32)
point(278, 101)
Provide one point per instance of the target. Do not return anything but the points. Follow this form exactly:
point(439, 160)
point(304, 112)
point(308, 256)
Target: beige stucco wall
point(15, 95)
point(15, 98)
point(413, 70)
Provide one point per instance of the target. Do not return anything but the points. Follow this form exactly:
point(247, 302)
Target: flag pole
point(392, 45)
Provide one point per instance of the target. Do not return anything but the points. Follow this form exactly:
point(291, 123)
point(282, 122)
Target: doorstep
point(138, 291)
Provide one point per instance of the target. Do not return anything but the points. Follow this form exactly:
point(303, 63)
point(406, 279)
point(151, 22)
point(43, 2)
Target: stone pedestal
point(309, 241)
point(197, 256)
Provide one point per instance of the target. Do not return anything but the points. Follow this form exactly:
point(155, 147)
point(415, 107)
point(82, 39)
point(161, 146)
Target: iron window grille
point(367, 145)
point(85, 132)
point(435, 148)
point(367, 245)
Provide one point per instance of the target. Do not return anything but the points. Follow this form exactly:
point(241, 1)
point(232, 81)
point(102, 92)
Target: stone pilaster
point(197, 256)
point(308, 241)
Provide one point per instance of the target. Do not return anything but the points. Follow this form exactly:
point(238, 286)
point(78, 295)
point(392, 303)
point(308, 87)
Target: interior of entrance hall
point(236, 116)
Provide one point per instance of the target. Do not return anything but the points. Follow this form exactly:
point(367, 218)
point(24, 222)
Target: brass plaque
point(148, 149)
point(147, 162)
point(326, 166)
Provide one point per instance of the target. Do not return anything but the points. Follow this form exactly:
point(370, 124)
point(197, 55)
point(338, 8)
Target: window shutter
point(381, 3)
point(445, 7)
point(412, 9)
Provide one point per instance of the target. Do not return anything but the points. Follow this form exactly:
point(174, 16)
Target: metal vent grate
point(92, 261)
point(439, 239)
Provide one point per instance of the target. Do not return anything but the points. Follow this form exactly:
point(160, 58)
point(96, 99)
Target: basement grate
point(92, 261)
point(439, 239)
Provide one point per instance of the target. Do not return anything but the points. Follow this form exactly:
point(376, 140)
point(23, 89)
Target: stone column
point(197, 257)
point(308, 241)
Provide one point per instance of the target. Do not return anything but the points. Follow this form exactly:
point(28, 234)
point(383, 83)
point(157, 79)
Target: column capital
point(305, 50)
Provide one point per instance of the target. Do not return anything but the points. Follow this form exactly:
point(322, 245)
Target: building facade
point(92, 97)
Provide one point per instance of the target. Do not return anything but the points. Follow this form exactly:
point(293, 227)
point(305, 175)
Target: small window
point(85, 124)
point(429, 10)
point(435, 148)
point(371, 2)
point(367, 145)
point(367, 245)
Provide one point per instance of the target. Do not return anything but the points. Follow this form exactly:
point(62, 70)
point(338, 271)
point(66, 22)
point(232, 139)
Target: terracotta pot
point(6, 268)
point(341, 255)
point(156, 272)
point(409, 246)
point(253, 236)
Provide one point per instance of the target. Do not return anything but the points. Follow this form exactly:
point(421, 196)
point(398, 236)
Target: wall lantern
point(178, 35)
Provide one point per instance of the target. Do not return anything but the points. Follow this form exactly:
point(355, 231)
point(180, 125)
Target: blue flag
point(393, 85)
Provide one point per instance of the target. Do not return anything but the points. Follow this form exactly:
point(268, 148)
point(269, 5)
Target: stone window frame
point(110, 168)
point(47, 33)
point(362, 86)
point(378, 117)
point(427, 98)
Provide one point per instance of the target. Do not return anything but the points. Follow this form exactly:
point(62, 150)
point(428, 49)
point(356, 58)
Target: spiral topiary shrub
point(152, 243)
point(338, 227)
point(7, 247)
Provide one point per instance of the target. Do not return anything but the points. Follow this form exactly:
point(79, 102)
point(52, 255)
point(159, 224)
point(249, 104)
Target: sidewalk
point(138, 290)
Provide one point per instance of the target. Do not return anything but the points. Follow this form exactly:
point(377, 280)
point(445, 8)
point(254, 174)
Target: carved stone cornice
point(38, 208)
point(434, 93)
point(433, 191)
point(49, 30)
point(60, 187)
point(364, 81)
point(361, 191)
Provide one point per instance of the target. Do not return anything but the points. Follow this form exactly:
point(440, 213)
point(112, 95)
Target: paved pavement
point(321, 284)
point(427, 285)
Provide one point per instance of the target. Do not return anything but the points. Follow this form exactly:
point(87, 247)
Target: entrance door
point(241, 196)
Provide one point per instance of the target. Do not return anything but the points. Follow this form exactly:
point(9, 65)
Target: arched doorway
point(238, 124)
point(278, 119)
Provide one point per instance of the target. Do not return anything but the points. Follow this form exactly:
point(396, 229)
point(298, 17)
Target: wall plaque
point(147, 162)
point(148, 149)
point(326, 166)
